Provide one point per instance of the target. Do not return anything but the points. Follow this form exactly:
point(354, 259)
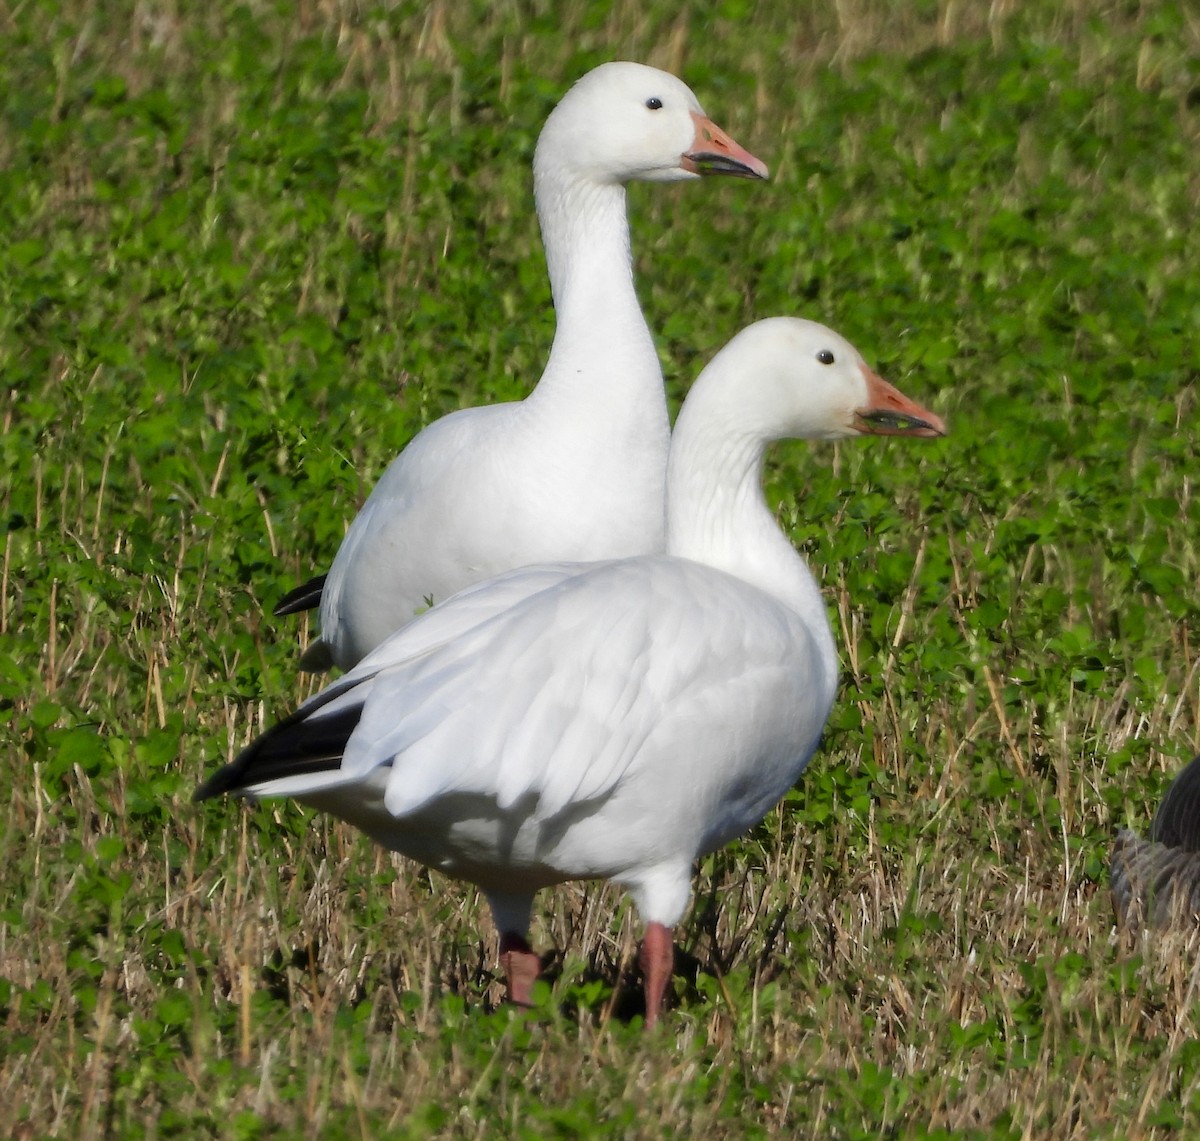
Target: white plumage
point(613, 719)
point(576, 470)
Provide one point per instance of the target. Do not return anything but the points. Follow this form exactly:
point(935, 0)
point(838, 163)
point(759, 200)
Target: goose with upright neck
point(576, 471)
point(610, 720)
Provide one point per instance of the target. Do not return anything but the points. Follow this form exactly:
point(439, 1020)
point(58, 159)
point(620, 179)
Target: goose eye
point(825, 356)
point(654, 103)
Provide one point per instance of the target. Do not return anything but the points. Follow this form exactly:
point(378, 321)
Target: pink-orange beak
point(888, 412)
point(714, 152)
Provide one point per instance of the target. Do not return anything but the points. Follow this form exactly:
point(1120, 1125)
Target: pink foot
point(521, 967)
point(657, 959)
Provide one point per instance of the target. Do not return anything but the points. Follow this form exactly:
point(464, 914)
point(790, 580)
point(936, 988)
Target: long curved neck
point(603, 364)
point(716, 511)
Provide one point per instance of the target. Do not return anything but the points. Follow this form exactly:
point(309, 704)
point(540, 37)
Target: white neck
point(603, 367)
point(716, 511)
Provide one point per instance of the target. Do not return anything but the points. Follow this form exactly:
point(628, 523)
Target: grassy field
point(247, 250)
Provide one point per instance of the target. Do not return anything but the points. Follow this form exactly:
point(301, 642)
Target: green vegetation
point(247, 249)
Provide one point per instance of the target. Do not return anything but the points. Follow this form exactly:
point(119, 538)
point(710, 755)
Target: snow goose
point(614, 719)
point(1157, 881)
point(575, 471)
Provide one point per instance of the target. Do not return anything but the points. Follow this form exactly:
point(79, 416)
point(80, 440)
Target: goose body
point(576, 471)
point(615, 719)
point(1156, 881)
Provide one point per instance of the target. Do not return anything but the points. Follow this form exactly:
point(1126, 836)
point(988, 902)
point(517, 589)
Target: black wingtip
point(317, 658)
point(222, 781)
point(307, 596)
point(303, 742)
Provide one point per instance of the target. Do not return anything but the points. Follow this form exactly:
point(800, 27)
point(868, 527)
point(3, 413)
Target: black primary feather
point(307, 596)
point(301, 743)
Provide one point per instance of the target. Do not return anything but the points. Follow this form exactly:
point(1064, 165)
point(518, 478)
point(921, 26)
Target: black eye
point(654, 103)
point(825, 356)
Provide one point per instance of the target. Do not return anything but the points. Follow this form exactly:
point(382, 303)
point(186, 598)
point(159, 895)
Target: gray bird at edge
point(1156, 882)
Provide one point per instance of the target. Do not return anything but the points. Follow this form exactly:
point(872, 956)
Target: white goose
point(609, 720)
point(577, 470)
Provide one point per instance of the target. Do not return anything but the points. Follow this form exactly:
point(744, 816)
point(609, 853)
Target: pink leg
point(521, 967)
point(657, 960)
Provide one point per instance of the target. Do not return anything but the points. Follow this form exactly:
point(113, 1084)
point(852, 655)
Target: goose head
point(625, 121)
point(797, 379)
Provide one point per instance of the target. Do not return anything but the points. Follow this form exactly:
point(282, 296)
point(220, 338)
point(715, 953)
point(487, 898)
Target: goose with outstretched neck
point(577, 470)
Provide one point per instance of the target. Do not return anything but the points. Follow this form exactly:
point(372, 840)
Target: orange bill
point(714, 152)
point(888, 412)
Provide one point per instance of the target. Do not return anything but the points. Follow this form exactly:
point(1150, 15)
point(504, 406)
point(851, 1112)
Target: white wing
point(641, 669)
point(670, 702)
point(393, 554)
